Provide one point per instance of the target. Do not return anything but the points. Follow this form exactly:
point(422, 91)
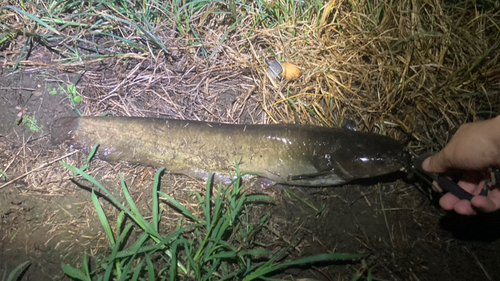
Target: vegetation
point(30, 121)
point(221, 245)
point(13, 273)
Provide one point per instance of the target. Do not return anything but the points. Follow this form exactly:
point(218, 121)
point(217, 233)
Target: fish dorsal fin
point(349, 124)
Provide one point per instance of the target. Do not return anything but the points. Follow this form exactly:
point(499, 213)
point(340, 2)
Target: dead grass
point(416, 76)
point(414, 70)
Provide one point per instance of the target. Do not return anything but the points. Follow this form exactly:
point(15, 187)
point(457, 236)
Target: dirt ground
point(48, 220)
point(415, 74)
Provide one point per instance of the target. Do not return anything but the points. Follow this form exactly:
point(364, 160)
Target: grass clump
point(218, 245)
point(3, 175)
point(31, 121)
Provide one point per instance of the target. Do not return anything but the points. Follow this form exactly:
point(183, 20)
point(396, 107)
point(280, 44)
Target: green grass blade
point(240, 201)
point(134, 248)
point(31, 17)
point(166, 240)
point(103, 219)
point(216, 233)
point(224, 36)
point(26, 43)
point(112, 256)
point(14, 272)
point(85, 265)
point(200, 200)
point(324, 257)
point(180, 207)
point(435, 34)
point(156, 186)
point(148, 36)
point(127, 42)
point(137, 271)
point(6, 36)
point(304, 201)
point(209, 272)
point(232, 275)
point(129, 199)
point(92, 153)
point(130, 262)
point(203, 50)
point(138, 218)
point(208, 200)
point(218, 204)
point(191, 261)
point(173, 259)
point(119, 222)
point(150, 268)
point(258, 198)
point(256, 252)
point(222, 255)
point(73, 272)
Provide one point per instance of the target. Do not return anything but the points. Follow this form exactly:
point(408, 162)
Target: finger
point(435, 164)
point(436, 187)
point(484, 204)
point(494, 195)
point(471, 187)
point(448, 201)
point(464, 207)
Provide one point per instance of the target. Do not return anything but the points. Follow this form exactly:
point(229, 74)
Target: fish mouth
point(403, 161)
point(409, 160)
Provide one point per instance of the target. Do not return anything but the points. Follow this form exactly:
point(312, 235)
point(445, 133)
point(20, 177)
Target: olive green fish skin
point(286, 154)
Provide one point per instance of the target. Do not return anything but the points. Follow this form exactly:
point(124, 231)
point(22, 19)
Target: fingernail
point(425, 164)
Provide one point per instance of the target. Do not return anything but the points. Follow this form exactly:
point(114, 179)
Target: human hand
point(473, 148)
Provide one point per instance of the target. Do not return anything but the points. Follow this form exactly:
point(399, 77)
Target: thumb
point(434, 164)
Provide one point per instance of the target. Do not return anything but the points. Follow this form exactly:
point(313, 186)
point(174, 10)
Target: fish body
point(286, 154)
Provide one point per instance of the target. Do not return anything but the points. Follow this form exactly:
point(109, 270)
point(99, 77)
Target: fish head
point(349, 155)
point(373, 156)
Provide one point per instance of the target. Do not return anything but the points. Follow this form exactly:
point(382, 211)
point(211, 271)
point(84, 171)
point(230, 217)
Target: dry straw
point(414, 70)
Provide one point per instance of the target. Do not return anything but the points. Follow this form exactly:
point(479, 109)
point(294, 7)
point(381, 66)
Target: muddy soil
point(48, 219)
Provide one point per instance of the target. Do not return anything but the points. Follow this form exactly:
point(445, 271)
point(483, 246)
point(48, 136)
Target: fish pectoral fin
point(310, 176)
point(263, 183)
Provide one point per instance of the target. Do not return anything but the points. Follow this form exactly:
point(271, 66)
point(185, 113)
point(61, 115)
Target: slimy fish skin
point(285, 154)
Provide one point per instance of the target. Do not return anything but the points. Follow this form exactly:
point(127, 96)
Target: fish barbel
point(285, 154)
